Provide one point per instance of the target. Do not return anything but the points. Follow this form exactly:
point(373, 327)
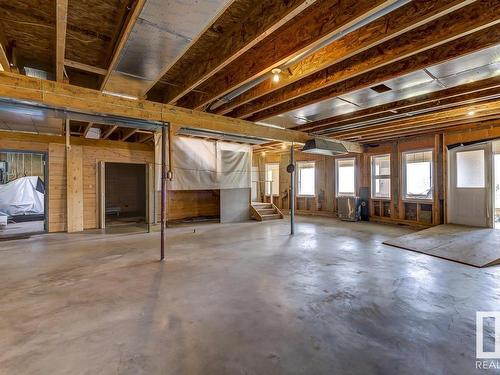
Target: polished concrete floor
point(239, 299)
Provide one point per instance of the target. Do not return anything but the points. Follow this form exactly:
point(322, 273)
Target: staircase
point(264, 211)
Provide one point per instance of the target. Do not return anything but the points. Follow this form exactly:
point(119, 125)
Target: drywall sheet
point(234, 205)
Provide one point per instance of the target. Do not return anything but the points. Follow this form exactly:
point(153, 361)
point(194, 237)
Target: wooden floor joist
point(397, 22)
point(459, 47)
point(490, 109)
point(317, 23)
point(469, 91)
point(262, 18)
point(64, 96)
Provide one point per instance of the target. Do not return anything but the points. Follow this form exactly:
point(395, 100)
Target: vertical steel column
point(163, 187)
point(292, 190)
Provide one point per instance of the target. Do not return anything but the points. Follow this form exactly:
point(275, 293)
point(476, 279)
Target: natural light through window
point(272, 179)
point(470, 169)
point(418, 174)
point(381, 176)
point(306, 176)
point(346, 176)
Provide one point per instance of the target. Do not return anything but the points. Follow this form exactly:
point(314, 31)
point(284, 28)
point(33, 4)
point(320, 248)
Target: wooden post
point(163, 188)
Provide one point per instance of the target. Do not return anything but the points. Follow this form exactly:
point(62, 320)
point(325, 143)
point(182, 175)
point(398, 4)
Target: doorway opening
point(23, 198)
point(125, 196)
point(497, 190)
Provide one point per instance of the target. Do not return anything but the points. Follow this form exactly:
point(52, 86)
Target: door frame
point(45, 158)
point(101, 192)
point(494, 177)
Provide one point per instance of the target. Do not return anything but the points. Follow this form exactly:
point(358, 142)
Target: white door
point(469, 185)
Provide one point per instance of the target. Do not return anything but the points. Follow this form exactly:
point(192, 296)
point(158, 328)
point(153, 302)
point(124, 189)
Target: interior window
point(418, 174)
point(346, 177)
point(381, 176)
point(306, 177)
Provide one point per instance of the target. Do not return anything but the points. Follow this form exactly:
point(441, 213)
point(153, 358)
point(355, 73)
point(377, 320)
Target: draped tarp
point(235, 161)
point(21, 197)
point(199, 164)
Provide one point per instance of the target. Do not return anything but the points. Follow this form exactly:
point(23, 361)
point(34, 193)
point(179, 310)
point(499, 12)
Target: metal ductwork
point(322, 146)
point(249, 85)
point(164, 30)
point(222, 136)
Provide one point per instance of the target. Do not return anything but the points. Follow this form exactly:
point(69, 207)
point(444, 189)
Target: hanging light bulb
point(471, 113)
point(276, 74)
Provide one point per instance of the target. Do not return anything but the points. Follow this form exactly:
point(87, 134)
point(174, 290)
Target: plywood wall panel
point(183, 204)
point(57, 187)
point(74, 188)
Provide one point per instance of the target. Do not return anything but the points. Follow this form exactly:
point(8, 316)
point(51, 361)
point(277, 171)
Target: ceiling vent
point(36, 73)
point(324, 146)
point(381, 88)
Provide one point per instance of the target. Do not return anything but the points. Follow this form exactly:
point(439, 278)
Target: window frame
point(484, 185)
point(415, 198)
point(266, 193)
point(374, 177)
point(299, 166)
point(337, 192)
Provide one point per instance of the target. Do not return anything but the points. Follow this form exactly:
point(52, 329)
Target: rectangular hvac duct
point(323, 146)
point(222, 136)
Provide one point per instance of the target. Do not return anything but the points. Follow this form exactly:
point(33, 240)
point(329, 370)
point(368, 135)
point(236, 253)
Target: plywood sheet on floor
point(469, 245)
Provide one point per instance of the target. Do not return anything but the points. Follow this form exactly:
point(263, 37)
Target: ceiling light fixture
point(471, 113)
point(276, 74)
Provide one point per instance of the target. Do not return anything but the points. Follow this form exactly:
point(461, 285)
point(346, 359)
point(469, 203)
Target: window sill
point(418, 200)
point(305, 196)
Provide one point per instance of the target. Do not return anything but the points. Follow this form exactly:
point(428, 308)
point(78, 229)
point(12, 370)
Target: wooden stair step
point(266, 211)
point(271, 217)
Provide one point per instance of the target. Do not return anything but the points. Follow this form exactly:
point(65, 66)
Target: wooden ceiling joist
point(146, 138)
point(85, 68)
point(480, 110)
point(127, 134)
point(4, 61)
point(221, 44)
point(122, 39)
point(87, 129)
point(460, 125)
point(318, 22)
point(286, 102)
point(454, 95)
point(431, 35)
point(109, 131)
point(61, 25)
point(4, 44)
point(446, 104)
point(64, 96)
point(397, 22)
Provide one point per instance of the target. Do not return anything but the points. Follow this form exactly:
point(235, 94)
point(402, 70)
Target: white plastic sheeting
point(20, 197)
point(200, 164)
